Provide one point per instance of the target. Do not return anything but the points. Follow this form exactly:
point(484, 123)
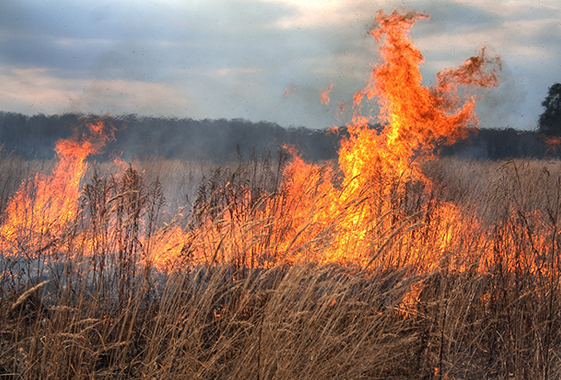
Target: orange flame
point(355, 214)
point(354, 218)
point(416, 119)
point(41, 209)
point(324, 96)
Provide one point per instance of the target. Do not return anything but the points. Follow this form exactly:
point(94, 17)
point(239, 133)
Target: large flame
point(353, 213)
point(376, 199)
point(416, 117)
point(376, 164)
point(44, 207)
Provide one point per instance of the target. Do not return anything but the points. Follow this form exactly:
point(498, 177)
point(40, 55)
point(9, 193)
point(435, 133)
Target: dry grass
point(105, 316)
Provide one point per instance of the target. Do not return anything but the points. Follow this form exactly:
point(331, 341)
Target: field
point(387, 264)
point(488, 308)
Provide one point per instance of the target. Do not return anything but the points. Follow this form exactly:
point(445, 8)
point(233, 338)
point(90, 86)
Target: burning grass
point(92, 305)
point(386, 264)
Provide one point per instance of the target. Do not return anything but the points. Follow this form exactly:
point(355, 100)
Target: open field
point(482, 303)
point(386, 264)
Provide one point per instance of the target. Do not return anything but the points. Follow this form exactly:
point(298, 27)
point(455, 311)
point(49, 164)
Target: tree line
point(223, 140)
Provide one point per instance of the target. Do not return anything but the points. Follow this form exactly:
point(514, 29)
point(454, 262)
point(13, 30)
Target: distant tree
point(549, 123)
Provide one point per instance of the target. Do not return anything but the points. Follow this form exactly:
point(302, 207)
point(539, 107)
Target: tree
point(549, 123)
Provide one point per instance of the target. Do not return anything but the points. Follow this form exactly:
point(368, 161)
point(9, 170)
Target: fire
point(416, 117)
point(43, 208)
point(378, 165)
point(461, 270)
point(373, 210)
point(324, 96)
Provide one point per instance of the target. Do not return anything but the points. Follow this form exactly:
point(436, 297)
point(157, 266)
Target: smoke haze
point(219, 59)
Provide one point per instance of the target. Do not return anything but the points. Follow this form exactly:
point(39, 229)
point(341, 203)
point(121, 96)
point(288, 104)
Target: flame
point(375, 164)
point(290, 90)
point(324, 96)
point(416, 117)
point(374, 210)
point(43, 208)
point(552, 142)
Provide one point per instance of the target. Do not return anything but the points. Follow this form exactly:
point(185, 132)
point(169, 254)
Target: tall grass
point(253, 309)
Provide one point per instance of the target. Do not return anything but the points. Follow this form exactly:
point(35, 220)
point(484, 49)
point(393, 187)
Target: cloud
point(218, 58)
point(35, 91)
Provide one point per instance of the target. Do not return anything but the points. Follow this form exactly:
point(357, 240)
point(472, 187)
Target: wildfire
point(42, 209)
point(371, 211)
point(415, 117)
point(377, 165)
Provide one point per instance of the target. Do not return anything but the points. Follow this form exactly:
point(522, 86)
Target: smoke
point(501, 107)
point(226, 59)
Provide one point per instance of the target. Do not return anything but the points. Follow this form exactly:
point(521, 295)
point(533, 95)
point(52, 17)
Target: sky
point(260, 60)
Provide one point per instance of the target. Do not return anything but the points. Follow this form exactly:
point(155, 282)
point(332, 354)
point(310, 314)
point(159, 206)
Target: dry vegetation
point(113, 315)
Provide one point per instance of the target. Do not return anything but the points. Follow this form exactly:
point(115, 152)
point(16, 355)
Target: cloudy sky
point(258, 59)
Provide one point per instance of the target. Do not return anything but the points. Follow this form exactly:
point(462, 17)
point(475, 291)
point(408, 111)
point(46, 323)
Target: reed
point(241, 302)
